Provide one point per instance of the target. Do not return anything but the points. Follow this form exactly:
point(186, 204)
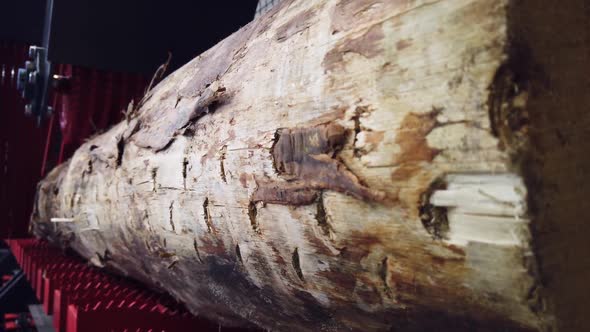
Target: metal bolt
point(32, 52)
point(32, 77)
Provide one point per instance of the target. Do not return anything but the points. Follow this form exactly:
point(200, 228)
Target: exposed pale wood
point(62, 219)
point(484, 208)
point(353, 165)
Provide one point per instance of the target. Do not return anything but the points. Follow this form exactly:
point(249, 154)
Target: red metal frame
point(82, 298)
point(94, 102)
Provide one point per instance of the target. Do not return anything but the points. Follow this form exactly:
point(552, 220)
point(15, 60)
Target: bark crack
point(252, 212)
point(196, 246)
point(120, 151)
point(154, 175)
point(356, 118)
point(434, 218)
point(184, 167)
point(239, 254)
point(384, 275)
point(173, 263)
point(171, 210)
point(206, 214)
point(222, 163)
point(321, 216)
point(295, 260)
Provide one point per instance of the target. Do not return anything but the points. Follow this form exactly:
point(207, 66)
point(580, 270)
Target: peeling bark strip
point(306, 157)
point(157, 133)
point(354, 165)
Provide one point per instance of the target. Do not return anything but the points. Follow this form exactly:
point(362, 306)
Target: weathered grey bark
point(359, 165)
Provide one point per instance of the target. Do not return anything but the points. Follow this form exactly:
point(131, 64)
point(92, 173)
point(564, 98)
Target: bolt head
point(32, 52)
point(32, 77)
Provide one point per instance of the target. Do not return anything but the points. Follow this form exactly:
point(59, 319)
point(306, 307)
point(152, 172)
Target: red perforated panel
point(82, 298)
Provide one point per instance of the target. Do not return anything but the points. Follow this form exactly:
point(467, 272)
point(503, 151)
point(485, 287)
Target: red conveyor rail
point(82, 298)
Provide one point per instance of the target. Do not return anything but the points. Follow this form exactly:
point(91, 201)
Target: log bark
point(354, 165)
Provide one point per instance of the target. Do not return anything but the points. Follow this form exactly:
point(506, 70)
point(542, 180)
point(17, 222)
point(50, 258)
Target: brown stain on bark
point(336, 112)
point(414, 149)
point(278, 257)
point(209, 246)
point(284, 193)
point(402, 273)
point(297, 24)
point(244, 180)
point(374, 137)
point(361, 244)
point(367, 293)
point(368, 45)
point(348, 14)
point(344, 278)
point(345, 11)
point(306, 158)
point(412, 268)
point(280, 261)
point(403, 43)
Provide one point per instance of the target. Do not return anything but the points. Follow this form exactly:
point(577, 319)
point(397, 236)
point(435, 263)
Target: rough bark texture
point(354, 164)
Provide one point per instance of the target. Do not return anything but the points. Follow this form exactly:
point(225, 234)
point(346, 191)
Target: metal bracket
point(34, 80)
point(8, 286)
point(33, 83)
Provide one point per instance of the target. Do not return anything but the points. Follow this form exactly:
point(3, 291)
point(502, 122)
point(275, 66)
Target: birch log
point(354, 165)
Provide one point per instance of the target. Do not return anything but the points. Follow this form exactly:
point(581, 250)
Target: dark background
point(125, 35)
point(134, 35)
